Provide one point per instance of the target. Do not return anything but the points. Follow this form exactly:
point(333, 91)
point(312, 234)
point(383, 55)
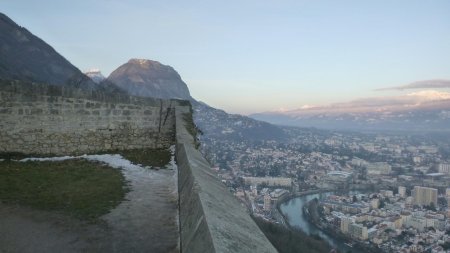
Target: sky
point(251, 56)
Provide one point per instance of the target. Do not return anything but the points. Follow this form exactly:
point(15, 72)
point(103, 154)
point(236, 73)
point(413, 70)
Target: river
point(292, 210)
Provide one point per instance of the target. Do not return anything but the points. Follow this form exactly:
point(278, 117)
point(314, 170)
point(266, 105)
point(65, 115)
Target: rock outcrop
point(148, 78)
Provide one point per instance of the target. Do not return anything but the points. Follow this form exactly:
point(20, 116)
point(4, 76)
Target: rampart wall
point(41, 119)
point(211, 219)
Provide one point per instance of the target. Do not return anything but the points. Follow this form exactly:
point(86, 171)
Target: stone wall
point(211, 218)
point(34, 122)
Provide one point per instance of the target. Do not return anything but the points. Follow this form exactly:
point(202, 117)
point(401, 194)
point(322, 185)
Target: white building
point(416, 222)
point(375, 203)
point(254, 190)
point(444, 168)
point(267, 202)
point(447, 196)
point(417, 159)
point(269, 181)
point(345, 223)
point(387, 193)
point(424, 195)
point(358, 231)
point(378, 168)
point(277, 193)
point(358, 162)
point(402, 191)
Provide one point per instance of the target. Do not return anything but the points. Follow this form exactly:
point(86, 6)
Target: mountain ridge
point(26, 57)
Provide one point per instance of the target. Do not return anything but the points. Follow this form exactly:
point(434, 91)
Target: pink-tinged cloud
point(426, 84)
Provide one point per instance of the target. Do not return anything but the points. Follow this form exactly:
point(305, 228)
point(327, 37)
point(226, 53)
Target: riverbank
point(291, 208)
point(355, 245)
point(295, 220)
point(281, 218)
point(352, 187)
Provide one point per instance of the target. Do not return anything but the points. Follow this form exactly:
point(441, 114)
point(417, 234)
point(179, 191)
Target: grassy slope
point(79, 188)
point(147, 157)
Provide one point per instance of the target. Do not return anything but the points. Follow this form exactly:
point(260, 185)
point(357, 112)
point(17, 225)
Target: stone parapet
point(211, 218)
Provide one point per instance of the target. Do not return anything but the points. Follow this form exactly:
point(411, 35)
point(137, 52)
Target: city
point(387, 192)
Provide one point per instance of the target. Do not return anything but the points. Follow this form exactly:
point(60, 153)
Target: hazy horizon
point(256, 56)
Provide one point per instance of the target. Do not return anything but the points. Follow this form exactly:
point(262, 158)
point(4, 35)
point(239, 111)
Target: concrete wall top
point(218, 222)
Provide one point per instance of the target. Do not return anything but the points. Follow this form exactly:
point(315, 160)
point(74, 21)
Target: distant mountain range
point(425, 110)
point(25, 57)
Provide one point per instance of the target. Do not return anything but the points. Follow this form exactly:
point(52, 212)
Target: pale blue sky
point(254, 55)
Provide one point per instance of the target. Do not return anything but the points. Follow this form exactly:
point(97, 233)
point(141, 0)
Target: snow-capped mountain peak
point(95, 74)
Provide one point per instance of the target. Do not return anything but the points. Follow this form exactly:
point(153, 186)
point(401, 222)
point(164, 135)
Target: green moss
point(79, 188)
point(147, 157)
point(18, 155)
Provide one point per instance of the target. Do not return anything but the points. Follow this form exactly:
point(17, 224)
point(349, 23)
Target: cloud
point(430, 95)
point(432, 84)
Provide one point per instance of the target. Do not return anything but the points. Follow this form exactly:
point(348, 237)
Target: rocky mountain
point(23, 56)
point(150, 79)
point(96, 75)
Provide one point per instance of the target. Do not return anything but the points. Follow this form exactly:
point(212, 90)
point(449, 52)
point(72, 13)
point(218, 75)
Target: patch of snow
point(93, 71)
point(51, 159)
point(173, 166)
point(113, 160)
point(95, 74)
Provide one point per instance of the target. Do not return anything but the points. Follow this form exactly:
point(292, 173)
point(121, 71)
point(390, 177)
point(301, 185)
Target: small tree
point(382, 204)
point(432, 207)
